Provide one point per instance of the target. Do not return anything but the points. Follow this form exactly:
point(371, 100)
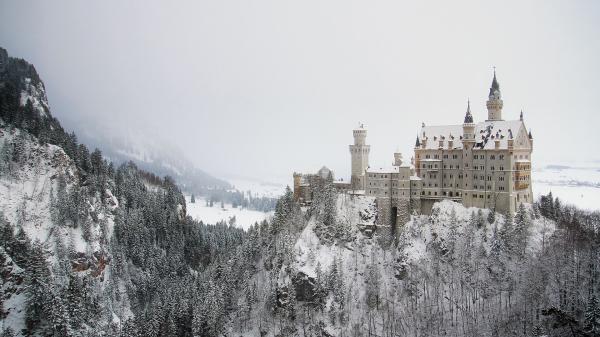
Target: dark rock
point(305, 287)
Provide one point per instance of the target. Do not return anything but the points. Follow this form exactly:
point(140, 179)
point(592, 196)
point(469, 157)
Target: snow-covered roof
point(486, 133)
point(415, 178)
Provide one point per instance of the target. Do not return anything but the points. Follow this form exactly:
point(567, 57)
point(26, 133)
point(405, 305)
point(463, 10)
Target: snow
point(499, 128)
point(37, 96)
point(573, 183)
point(244, 218)
point(25, 201)
point(259, 188)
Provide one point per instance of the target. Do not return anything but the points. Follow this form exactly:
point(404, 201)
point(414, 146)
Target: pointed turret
point(468, 125)
point(468, 115)
point(417, 143)
point(495, 88)
point(494, 103)
point(521, 115)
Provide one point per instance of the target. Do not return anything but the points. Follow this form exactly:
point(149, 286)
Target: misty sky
point(263, 88)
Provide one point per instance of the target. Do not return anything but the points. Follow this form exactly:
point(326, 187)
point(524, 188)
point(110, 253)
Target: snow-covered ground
point(573, 183)
point(257, 187)
point(244, 217)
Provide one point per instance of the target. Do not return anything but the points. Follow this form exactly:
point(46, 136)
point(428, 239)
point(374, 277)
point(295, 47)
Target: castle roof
point(486, 133)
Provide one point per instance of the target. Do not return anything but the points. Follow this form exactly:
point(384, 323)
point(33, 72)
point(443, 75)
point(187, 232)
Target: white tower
point(359, 152)
point(494, 103)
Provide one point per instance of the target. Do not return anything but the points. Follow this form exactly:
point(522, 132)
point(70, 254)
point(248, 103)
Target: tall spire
point(494, 103)
point(495, 88)
point(468, 116)
point(417, 143)
point(521, 115)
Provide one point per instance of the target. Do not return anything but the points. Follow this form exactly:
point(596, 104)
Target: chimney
point(496, 143)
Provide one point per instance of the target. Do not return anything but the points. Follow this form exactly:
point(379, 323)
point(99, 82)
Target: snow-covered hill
point(29, 188)
point(363, 286)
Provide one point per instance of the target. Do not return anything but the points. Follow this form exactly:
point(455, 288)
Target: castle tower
point(297, 181)
point(468, 140)
point(359, 152)
point(468, 126)
point(494, 103)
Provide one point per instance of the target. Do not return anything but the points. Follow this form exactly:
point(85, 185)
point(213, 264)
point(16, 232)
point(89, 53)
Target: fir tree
point(591, 321)
point(37, 278)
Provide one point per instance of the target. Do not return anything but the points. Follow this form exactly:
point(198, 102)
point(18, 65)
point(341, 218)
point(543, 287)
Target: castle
point(485, 164)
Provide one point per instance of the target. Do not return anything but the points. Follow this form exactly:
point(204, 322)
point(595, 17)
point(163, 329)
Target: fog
point(264, 88)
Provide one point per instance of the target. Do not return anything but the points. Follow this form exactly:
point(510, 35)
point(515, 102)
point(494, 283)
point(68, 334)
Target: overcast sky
point(263, 88)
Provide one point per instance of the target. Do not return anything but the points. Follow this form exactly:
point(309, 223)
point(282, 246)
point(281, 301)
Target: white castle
point(485, 164)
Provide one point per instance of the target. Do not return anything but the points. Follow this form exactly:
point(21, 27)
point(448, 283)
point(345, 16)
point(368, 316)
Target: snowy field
point(244, 218)
point(573, 183)
point(258, 188)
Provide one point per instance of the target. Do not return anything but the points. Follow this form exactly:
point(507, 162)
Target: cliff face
point(58, 205)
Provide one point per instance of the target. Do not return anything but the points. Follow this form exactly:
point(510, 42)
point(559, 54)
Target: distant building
point(305, 184)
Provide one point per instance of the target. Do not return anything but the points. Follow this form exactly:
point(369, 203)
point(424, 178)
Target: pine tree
point(38, 291)
point(592, 317)
point(193, 199)
point(8, 332)
point(373, 281)
point(75, 297)
point(521, 230)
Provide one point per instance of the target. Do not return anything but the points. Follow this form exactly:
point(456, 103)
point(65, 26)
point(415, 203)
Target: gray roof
point(485, 134)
